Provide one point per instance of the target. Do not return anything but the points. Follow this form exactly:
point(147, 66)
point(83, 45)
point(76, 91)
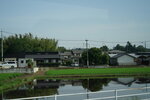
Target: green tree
point(28, 43)
point(104, 48)
point(95, 57)
point(119, 47)
point(105, 58)
point(62, 49)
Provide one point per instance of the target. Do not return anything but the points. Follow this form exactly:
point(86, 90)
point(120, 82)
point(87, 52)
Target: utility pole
point(87, 53)
point(2, 44)
point(145, 44)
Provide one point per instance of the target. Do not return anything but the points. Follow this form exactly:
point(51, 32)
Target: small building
point(123, 59)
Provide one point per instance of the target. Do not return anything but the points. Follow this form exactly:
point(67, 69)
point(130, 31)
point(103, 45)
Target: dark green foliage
point(105, 59)
point(30, 63)
point(67, 62)
point(95, 84)
point(119, 47)
point(95, 57)
point(62, 49)
point(129, 48)
point(49, 64)
point(28, 43)
point(104, 48)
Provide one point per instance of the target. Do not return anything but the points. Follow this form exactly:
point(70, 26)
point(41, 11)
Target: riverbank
point(13, 80)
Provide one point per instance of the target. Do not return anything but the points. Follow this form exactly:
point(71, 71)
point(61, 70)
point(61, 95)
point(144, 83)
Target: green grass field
point(100, 71)
point(7, 80)
point(7, 76)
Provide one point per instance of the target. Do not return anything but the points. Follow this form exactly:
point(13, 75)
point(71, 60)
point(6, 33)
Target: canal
point(49, 87)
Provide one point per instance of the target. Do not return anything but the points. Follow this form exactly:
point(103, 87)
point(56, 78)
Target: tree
point(95, 84)
point(104, 48)
point(95, 57)
point(30, 63)
point(140, 48)
point(61, 49)
point(28, 43)
point(130, 48)
point(105, 59)
point(119, 47)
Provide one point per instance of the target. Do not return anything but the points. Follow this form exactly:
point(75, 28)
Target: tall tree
point(104, 48)
point(95, 57)
point(119, 47)
point(28, 43)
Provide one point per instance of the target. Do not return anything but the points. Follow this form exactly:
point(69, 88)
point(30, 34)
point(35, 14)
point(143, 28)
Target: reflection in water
point(35, 88)
point(50, 86)
point(95, 84)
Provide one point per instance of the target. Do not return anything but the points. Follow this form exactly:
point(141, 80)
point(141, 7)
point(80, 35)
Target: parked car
point(8, 64)
point(75, 65)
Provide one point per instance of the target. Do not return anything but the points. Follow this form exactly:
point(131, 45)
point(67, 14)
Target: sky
point(71, 22)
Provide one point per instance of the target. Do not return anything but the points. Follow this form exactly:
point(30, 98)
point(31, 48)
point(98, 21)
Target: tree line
point(28, 43)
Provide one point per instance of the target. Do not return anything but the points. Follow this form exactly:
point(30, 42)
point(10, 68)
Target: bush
point(49, 64)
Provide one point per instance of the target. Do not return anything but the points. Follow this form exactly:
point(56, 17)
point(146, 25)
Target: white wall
point(22, 62)
point(126, 60)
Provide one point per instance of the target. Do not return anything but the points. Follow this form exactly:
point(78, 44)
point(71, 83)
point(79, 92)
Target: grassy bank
point(100, 72)
point(12, 80)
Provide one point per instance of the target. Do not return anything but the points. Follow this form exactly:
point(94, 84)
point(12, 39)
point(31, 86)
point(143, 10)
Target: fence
point(115, 97)
point(19, 70)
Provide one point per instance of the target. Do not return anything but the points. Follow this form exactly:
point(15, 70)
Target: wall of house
point(126, 60)
point(22, 62)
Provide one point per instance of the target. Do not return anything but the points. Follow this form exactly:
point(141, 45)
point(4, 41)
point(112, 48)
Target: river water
point(49, 87)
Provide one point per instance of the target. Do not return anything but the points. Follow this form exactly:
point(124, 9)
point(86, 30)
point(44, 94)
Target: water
point(48, 87)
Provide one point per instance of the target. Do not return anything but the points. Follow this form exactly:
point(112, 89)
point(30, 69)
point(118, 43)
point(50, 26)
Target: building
point(41, 59)
point(123, 59)
point(71, 57)
point(143, 58)
point(44, 59)
point(77, 54)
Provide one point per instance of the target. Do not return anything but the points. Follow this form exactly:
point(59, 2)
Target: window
point(22, 61)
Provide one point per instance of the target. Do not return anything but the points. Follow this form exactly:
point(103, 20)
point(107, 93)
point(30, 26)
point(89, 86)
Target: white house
point(123, 60)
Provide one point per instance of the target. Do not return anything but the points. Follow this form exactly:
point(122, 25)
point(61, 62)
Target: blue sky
point(100, 20)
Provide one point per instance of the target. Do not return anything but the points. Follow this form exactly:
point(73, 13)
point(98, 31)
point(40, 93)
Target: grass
point(10, 80)
point(7, 76)
point(100, 71)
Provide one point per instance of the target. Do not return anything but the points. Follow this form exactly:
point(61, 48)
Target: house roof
point(112, 55)
point(42, 55)
point(67, 53)
point(78, 51)
point(33, 55)
point(15, 55)
point(115, 51)
point(122, 54)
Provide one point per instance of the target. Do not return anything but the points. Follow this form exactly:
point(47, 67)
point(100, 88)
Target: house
point(122, 59)
point(66, 58)
point(143, 58)
point(44, 59)
point(72, 56)
point(41, 59)
point(77, 54)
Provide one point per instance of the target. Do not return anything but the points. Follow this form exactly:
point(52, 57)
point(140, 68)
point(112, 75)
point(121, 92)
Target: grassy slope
point(9, 80)
point(101, 71)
